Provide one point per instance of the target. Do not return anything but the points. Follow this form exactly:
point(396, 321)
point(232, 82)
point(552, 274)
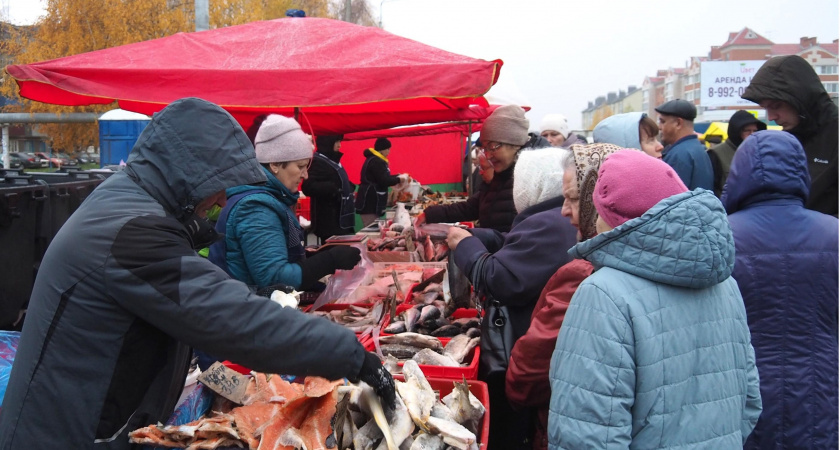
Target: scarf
point(588, 159)
point(378, 155)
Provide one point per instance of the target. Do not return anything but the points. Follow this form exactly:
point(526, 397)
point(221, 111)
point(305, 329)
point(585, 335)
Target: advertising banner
point(723, 82)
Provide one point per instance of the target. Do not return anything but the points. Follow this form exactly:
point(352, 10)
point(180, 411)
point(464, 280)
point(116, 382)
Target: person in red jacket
point(526, 381)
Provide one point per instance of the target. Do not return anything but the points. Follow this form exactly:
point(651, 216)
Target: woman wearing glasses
point(263, 243)
point(503, 136)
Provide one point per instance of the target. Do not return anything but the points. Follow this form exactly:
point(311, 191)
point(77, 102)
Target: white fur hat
point(555, 122)
point(538, 176)
point(280, 139)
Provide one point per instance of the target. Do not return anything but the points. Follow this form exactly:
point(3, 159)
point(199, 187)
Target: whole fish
point(411, 316)
point(430, 358)
point(453, 433)
point(414, 340)
point(447, 331)
point(400, 424)
point(396, 327)
point(399, 351)
point(429, 312)
point(460, 346)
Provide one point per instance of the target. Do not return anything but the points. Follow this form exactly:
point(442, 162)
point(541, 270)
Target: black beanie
point(327, 143)
point(382, 144)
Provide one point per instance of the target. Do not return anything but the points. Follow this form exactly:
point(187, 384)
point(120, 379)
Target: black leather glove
point(345, 257)
point(326, 262)
point(377, 376)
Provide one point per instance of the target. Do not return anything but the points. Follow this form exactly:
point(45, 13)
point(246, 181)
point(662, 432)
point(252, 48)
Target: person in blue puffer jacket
point(263, 244)
point(786, 267)
point(654, 351)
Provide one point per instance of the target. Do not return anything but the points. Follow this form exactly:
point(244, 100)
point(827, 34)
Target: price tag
point(226, 382)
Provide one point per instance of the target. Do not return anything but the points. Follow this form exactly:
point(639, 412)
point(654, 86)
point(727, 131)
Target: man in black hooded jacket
point(795, 98)
point(741, 125)
point(122, 295)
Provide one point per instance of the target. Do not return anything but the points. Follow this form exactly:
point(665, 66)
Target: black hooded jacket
point(326, 187)
point(792, 80)
point(121, 295)
point(721, 155)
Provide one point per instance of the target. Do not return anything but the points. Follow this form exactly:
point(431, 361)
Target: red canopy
point(341, 77)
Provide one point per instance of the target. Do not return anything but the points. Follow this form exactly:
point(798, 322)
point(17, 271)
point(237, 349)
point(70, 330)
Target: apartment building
point(685, 82)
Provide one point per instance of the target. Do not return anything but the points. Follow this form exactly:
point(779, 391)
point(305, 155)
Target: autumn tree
point(600, 114)
point(70, 27)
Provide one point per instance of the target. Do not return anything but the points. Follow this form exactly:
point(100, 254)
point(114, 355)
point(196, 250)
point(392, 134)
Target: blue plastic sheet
point(8, 347)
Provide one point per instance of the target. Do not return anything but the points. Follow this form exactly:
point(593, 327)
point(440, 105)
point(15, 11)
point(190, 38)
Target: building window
point(827, 70)
point(830, 87)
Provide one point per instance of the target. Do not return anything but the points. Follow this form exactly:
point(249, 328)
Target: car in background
point(87, 158)
point(30, 160)
point(58, 159)
point(14, 162)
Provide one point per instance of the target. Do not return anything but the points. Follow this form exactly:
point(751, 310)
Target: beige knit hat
point(280, 139)
point(506, 125)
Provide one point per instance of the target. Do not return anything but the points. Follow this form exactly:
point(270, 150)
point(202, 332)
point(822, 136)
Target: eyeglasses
point(491, 147)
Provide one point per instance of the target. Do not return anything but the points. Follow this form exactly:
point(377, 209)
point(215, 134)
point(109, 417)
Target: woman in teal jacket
point(263, 243)
point(654, 351)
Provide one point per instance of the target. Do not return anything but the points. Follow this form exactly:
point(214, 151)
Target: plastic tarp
point(340, 77)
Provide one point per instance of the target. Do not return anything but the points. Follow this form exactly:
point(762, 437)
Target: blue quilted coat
point(786, 268)
point(654, 351)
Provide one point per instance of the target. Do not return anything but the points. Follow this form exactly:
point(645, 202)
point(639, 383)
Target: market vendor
point(121, 296)
point(376, 178)
point(503, 135)
point(263, 244)
point(333, 209)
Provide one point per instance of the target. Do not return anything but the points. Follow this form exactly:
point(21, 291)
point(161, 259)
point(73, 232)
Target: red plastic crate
point(479, 389)
point(470, 371)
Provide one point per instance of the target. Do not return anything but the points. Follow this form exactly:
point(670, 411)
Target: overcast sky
point(559, 55)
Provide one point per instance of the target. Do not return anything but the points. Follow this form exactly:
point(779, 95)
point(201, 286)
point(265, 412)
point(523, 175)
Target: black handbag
point(496, 331)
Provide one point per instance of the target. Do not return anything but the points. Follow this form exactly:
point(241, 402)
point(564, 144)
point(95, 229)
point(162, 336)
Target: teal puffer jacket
point(655, 351)
point(263, 237)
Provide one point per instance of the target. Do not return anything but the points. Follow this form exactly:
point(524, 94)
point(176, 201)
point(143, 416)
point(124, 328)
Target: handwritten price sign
point(723, 82)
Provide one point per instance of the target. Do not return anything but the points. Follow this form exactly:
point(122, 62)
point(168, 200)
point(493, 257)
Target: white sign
point(723, 82)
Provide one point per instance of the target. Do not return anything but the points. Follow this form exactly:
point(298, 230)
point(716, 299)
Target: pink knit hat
point(629, 183)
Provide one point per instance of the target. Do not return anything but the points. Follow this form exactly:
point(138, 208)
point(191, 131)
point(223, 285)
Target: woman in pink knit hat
point(654, 350)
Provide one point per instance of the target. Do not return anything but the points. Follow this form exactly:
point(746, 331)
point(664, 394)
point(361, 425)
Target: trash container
point(22, 201)
point(67, 190)
point(118, 131)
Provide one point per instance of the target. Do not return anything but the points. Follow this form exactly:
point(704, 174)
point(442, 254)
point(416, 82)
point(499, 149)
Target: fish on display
point(429, 357)
point(460, 346)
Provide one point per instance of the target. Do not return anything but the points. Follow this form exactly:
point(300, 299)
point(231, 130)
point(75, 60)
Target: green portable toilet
point(118, 131)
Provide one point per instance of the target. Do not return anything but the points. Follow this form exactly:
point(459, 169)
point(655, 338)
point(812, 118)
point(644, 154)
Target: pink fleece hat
point(629, 183)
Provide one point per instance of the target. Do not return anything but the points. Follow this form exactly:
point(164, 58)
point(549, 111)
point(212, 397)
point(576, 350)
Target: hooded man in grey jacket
point(121, 296)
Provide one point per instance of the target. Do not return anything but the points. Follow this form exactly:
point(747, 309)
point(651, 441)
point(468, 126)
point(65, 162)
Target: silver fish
point(460, 346)
point(396, 327)
point(430, 358)
point(411, 316)
point(429, 312)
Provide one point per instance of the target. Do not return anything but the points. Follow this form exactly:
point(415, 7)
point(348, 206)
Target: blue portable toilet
point(118, 131)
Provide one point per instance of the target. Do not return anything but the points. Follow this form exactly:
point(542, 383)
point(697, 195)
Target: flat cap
point(679, 108)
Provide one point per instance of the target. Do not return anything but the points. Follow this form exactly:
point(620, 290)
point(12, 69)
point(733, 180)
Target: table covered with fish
point(429, 414)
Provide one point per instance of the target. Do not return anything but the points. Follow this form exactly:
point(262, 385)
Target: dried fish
point(396, 327)
point(466, 409)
